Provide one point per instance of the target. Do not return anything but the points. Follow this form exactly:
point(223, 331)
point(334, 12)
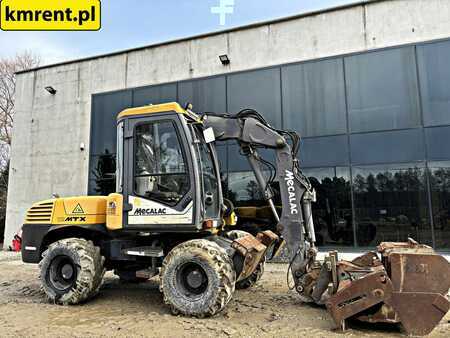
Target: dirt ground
point(130, 310)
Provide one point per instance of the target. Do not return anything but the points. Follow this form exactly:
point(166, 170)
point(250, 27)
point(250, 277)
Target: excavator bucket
point(404, 283)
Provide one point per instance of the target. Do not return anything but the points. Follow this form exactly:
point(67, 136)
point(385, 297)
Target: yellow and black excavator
point(168, 216)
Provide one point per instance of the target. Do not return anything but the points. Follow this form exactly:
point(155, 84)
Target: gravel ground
point(137, 310)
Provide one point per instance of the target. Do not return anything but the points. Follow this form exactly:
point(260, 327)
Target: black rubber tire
point(259, 271)
point(219, 272)
point(129, 276)
point(87, 259)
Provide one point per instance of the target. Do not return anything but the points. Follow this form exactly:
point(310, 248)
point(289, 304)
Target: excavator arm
point(296, 223)
point(403, 283)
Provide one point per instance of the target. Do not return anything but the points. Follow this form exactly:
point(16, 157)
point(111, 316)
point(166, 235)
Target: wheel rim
point(62, 273)
point(192, 279)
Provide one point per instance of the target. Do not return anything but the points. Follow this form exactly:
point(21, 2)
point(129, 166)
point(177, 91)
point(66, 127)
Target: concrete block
point(391, 23)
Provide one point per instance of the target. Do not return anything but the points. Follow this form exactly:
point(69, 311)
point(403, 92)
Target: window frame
point(120, 157)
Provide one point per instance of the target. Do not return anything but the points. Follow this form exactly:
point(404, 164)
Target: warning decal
point(78, 209)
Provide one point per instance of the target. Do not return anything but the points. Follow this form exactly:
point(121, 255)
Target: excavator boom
point(403, 283)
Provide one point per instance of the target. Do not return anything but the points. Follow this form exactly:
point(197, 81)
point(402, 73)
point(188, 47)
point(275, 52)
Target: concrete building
point(367, 85)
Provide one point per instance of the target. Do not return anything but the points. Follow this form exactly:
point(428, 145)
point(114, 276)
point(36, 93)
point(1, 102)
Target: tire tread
point(91, 271)
point(219, 261)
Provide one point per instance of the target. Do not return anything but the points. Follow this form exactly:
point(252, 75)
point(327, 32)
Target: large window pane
point(238, 162)
point(391, 204)
point(154, 95)
point(382, 90)
point(440, 197)
point(254, 213)
point(434, 73)
point(102, 153)
point(388, 147)
point(243, 190)
point(332, 211)
point(259, 90)
point(242, 187)
point(437, 139)
point(102, 174)
point(208, 95)
point(324, 151)
point(314, 98)
point(105, 108)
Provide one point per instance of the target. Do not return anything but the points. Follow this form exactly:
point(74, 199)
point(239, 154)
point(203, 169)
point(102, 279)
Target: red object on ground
point(17, 242)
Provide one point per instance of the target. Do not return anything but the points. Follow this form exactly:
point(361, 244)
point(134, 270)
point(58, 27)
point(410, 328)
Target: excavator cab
point(167, 173)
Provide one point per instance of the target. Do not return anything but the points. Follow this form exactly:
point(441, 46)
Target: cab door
point(159, 185)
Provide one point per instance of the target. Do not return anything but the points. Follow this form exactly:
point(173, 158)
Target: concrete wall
point(46, 156)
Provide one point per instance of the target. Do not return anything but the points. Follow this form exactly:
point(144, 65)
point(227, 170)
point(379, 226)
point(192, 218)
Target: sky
point(134, 23)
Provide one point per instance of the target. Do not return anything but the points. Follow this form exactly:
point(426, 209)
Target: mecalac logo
point(291, 191)
point(150, 211)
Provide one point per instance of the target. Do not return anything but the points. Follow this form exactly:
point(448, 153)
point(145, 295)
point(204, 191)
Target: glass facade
point(259, 90)
point(333, 210)
point(314, 97)
point(382, 90)
point(432, 60)
point(374, 128)
point(391, 203)
point(440, 198)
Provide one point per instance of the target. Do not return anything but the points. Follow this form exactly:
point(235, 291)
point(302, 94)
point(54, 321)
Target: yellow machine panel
point(40, 213)
point(158, 108)
point(152, 109)
point(114, 212)
point(80, 210)
point(72, 210)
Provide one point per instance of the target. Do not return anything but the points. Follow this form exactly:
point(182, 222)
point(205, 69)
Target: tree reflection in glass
point(332, 211)
point(440, 199)
point(391, 203)
point(104, 173)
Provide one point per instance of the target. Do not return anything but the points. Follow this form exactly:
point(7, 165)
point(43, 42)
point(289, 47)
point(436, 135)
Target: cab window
point(159, 168)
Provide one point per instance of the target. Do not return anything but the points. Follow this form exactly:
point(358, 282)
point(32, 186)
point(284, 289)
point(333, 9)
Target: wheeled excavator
point(168, 216)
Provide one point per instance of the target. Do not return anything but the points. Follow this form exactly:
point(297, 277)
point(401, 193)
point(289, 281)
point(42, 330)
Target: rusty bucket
point(404, 283)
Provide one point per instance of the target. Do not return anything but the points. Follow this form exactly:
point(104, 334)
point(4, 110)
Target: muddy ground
point(129, 310)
